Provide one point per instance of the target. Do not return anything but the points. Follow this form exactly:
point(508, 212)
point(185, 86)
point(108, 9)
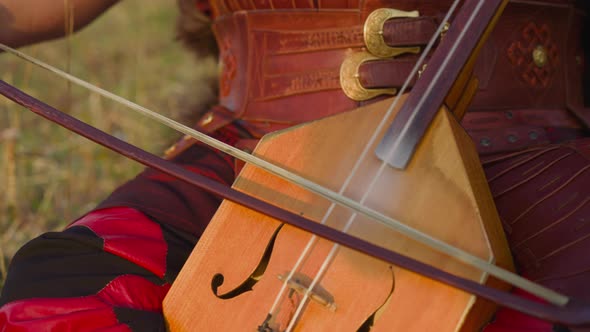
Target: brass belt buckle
point(349, 78)
point(373, 32)
point(373, 35)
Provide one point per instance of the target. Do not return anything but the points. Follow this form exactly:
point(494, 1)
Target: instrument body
point(443, 193)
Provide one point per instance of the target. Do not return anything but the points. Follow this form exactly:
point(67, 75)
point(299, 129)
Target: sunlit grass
point(51, 176)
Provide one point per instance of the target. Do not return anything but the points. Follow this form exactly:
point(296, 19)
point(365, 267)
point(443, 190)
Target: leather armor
point(281, 65)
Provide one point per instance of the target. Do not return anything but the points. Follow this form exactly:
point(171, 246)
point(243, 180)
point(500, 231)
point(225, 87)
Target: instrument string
point(365, 152)
point(294, 178)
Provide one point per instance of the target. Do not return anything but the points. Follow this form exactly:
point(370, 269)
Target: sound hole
point(249, 283)
point(368, 324)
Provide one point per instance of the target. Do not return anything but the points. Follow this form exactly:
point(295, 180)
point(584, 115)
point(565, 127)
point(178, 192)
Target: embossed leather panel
point(281, 67)
point(509, 76)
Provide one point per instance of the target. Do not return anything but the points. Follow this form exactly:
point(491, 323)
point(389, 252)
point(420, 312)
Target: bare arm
point(24, 22)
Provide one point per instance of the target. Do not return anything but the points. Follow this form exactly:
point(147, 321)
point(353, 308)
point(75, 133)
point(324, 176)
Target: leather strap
point(386, 73)
point(513, 130)
point(534, 117)
point(409, 31)
point(214, 119)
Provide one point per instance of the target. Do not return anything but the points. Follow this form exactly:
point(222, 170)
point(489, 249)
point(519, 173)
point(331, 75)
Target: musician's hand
point(24, 22)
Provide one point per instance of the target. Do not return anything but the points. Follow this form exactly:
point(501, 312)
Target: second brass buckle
point(377, 49)
point(349, 78)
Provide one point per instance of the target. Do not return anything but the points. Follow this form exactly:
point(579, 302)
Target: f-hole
point(368, 324)
point(249, 283)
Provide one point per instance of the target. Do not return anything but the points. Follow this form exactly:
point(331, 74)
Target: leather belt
point(513, 130)
point(384, 73)
point(276, 74)
point(409, 31)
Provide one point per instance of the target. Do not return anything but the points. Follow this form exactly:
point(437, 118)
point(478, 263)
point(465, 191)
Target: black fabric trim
point(180, 246)
point(140, 320)
point(173, 201)
point(71, 263)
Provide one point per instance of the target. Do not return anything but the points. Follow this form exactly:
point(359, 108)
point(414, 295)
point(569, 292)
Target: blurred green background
point(50, 176)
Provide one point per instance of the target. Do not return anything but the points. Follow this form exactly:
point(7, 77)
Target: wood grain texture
point(443, 192)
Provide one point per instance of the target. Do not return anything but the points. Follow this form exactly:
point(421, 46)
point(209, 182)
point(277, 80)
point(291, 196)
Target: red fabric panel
point(135, 292)
point(498, 328)
point(77, 314)
point(508, 320)
point(89, 313)
point(129, 234)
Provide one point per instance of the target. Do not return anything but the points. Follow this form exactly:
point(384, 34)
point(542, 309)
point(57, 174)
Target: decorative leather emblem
point(228, 67)
point(535, 55)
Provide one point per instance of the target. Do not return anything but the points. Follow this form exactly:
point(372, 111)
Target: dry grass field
point(50, 176)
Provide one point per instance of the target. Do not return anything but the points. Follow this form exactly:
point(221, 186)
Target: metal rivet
point(421, 71)
point(540, 56)
point(445, 29)
point(512, 138)
point(485, 141)
point(207, 119)
point(170, 150)
point(509, 115)
point(533, 135)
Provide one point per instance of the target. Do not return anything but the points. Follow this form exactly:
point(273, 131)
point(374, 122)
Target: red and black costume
point(111, 269)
